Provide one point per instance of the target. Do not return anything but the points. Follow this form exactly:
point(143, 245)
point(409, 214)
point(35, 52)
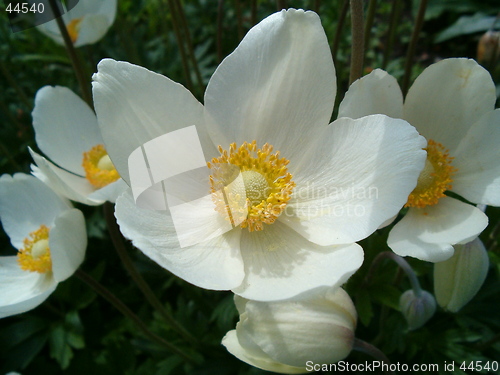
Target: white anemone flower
point(452, 104)
point(49, 235)
point(87, 22)
point(292, 337)
point(266, 113)
point(66, 131)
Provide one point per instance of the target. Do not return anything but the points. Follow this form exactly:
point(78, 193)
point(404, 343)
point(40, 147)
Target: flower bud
point(282, 336)
point(458, 279)
point(488, 47)
point(417, 310)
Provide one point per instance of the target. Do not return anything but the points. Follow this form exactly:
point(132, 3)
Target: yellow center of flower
point(98, 167)
point(35, 256)
point(255, 183)
point(435, 178)
point(74, 28)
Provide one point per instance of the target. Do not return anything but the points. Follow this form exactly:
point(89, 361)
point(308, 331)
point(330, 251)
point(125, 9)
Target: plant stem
point(180, 42)
point(364, 347)
point(190, 49)
point(403, 264)
point(391, 34)
point(75, 61)
point(340, 27)
point(119, 246)
point(220, 11)
point(370, 16)
point(358, 49)
point(13, 83)
point(413, 45)
point(120, 306)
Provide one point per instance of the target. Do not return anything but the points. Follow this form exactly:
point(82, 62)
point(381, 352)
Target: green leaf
point(364, 307)
point(466, 25)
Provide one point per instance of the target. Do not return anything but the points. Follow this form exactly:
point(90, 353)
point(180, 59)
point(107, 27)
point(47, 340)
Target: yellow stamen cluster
point(35, 256)
point(98, 167)
point(74, 28)
point(250, 186)
point(435, 178)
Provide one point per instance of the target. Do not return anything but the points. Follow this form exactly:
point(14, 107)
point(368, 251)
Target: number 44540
point(25, 8)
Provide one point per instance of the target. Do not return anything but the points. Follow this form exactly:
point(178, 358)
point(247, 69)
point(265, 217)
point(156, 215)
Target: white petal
point(280, 263)
point(92, 29)
point(67, 242)
point(135, 105)
point(476, 158)
point(212, 264)
point(21, 290)
point(110, 192)
point(25, 204)
point(447, 98)
point(65, 127)
point(264, 362)
point(377, 92)
point(276, 86)
point(64, 183)
point(355, 176)
point(428, 233)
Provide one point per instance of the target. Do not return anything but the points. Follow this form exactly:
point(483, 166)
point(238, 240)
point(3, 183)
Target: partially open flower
point(417, 309)
point(50, 237)
point(452, 104)
point(458, 279)
point(87, 22)
point(282, 336)
point(66, 131)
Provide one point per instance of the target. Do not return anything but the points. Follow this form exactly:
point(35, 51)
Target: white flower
point(458, 279)
point(50, 236)
point(87, 22)
point(283, 336)
point(451, 104)
point(329, 187)
point(66, 131)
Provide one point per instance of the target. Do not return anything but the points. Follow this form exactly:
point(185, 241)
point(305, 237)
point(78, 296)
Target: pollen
point(435, 178)
point(255, 185)
point(74, 28)
point(35, 255)
point(98, 167)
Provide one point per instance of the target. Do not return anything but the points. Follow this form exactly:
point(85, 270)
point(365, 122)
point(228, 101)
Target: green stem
point(391, 34)
point(75, 61)
point(220, 11)
point(190, 48)
point(180, 42)
point(413, 45)
point(13, 83)
point(370, 16)
point(340, 27)
point(403, 264)
point(116, 237)
point(120, 306)
point(364, 347)
point(358, 49)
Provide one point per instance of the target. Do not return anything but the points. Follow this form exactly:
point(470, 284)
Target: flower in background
point(417, 308)
point(87, 22)
point(452, 104)
point(458, 279)
point(316, 327)
point(312, 189)
point(49, 235)
point(66, 131)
